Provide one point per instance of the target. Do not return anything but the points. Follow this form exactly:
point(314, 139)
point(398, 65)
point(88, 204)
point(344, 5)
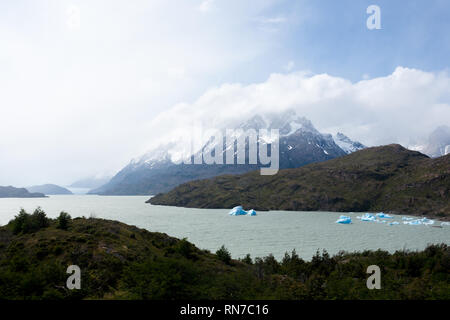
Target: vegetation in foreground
point(388, 178)
point(118, 261)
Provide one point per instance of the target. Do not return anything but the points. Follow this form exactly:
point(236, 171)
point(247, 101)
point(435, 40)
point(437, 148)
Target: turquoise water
point(269, 232)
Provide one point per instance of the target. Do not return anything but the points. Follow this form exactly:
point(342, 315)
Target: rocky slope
point(388, 178)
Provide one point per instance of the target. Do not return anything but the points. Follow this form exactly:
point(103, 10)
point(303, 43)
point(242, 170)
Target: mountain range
point(300, 143)
point(49, 189)
point(90, 182)
point(387, 178)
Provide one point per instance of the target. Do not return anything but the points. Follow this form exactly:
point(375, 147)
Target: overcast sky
point(85, 86)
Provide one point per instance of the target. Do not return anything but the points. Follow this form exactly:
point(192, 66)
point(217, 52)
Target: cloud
point(398, 108)
point(79, 82)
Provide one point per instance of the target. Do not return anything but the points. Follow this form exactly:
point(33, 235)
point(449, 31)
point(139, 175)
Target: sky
point(85, 86)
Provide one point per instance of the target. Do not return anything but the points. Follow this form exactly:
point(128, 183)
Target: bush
point(27, 223)
point(185, 248)
point(63, 220)
point(224, 255)
point(247, 259)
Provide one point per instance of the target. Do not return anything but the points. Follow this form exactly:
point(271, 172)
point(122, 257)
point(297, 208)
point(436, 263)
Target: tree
point(224, 255)
point(39, 219)
point(63, 220)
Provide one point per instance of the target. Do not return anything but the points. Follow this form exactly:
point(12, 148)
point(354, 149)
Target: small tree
point(19, 221)
point(63, 220)
point(27, 223)
point(247, 259)
point(39, 219)
point(224, 255)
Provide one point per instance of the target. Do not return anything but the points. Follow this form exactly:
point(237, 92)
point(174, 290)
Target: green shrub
point(27, 223)
point(63, 220)
point(224, 255)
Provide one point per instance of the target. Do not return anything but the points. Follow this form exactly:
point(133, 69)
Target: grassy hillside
point(388, 178)
point(119, 261)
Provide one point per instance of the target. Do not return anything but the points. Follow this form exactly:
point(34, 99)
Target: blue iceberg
point(393, 223)
point(384, 215)
point(424, 221)
point(344, 220)
point(368, 217)
point(239, 211)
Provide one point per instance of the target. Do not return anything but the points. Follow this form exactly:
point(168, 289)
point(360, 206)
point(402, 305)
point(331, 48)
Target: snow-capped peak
point(287, 123)
point(346, 144)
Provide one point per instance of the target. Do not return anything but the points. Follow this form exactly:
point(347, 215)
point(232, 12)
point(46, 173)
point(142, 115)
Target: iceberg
point(393, 223)
point(445, 223)
point(368, 217)
point(406, 218)
point(427, 221)
point(239, 211)
point(384, 215)
point(344, 220)
point(417, 222)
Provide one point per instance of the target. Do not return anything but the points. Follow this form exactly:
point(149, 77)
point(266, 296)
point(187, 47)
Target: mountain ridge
point(387, 178)
point(12, 192)
point(49, 189)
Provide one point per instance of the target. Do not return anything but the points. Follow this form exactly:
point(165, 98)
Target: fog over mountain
point(163, 167)
point(437, 144)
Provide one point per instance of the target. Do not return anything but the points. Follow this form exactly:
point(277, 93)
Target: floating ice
point(238, 211)
point(344, 220)
point(407, 218)
point(384, 215)
point(417, 222)
point(445, 223)
point(368, 217)
point(393, 223)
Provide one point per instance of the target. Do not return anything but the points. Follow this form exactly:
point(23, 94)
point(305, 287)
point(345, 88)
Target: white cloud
point(76, 94)
point(397, 108)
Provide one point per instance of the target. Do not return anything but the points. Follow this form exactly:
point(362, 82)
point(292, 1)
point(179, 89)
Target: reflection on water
point(269, 232)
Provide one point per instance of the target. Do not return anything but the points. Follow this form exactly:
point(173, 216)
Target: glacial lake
point(269, 232)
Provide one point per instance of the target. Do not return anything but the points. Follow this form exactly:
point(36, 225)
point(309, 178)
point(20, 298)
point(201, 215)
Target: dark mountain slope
point(388, 178)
